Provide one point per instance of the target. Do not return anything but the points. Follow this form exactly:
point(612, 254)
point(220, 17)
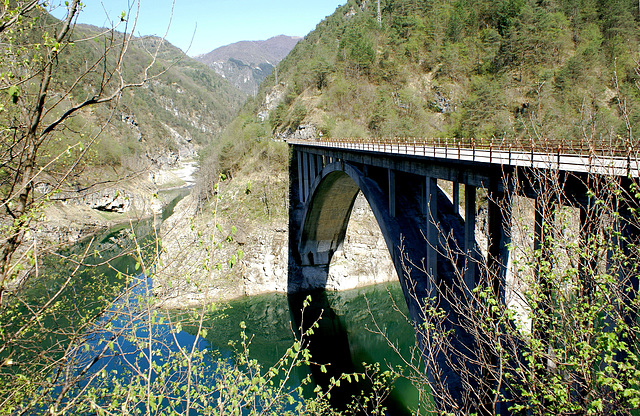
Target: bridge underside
point(422, 229)
point(432, 245)
point(427, 238)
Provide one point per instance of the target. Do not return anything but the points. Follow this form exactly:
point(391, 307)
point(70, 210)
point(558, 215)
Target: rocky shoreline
point(74, 215)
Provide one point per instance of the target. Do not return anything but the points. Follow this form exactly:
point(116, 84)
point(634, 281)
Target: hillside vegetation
point(508, 69)
point(186, 103)
point(182, 105)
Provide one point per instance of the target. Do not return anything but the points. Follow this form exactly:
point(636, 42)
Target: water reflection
point(342, 340)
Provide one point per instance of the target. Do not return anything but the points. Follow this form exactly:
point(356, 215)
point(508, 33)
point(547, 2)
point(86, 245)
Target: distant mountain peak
point(248, 62)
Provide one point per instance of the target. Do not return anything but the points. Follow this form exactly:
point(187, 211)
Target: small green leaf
point(14, 93)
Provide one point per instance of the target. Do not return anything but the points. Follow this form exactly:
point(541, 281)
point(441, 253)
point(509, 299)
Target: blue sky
point(215, 22)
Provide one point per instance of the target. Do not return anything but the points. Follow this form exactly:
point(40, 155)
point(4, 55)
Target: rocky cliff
point(77, 212)
point(196, 257)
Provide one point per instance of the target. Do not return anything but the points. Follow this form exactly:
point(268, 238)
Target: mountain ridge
point(271, 50)
point(247, 63)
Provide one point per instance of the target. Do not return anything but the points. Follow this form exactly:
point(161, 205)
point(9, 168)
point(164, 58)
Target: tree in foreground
point(560, 335)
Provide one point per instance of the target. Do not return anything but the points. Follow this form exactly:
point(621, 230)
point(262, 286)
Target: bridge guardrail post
point(532, 147)
point(473, 147)
point(491, 151)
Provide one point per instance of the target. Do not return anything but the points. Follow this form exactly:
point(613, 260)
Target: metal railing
point(612, 158)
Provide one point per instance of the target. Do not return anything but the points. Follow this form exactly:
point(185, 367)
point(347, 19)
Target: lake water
point(344, 339)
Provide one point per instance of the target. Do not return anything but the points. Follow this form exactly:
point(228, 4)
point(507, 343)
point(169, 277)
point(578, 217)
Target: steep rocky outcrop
point(74, 214)
point(195, 267)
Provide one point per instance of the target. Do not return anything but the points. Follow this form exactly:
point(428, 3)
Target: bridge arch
point(416, 219)
point(327, 213)
point(322, 220)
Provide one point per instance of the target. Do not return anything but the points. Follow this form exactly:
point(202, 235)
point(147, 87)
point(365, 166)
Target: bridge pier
point(499, 238)
point(456, 197)
point(392, 192)
point(430, 211)
point(471, 252)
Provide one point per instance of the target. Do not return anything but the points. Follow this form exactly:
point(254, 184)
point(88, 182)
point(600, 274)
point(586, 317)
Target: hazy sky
point(215, 22)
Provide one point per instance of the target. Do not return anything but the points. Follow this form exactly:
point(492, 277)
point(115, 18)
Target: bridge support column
point(430, 210)
point(629, 240)
point(305, 175)
point(299, 156)
point(312, 169)
point(471, 253)
point(588, 262)
point(392, 193)
point(540, 320)
point(456, 198)
point(499, 228)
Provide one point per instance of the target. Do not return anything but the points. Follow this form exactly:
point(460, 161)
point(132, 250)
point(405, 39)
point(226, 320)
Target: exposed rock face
point(77, 214)
point(135, 197)
point(189, 275)
point(110, 200)
point(271, 101)
point(303, 132)
point(365, 259)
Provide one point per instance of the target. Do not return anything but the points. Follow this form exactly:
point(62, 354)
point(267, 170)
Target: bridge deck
point(615, 163)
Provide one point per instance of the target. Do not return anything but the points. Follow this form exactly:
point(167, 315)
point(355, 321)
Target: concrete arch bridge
point(432, 239)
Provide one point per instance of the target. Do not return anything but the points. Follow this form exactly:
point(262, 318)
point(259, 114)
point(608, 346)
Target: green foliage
point(511, 46)
point(298, 115)
point(565, 341)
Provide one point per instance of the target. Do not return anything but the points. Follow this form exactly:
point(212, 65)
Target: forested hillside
point(183, 101)
point(87, 113)
point(508, 69)
point(181, 105)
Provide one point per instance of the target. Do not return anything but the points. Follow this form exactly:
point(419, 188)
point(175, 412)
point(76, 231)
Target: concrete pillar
point(305, 175)
point(430, 206)
point(456, 198)
point(470, 237)
point(499, 225)
point(301, 194)
point(392, 193)
point(540, 322)
point(319, 164)
point(629, 240)
point(312, 169)
point(588, 262)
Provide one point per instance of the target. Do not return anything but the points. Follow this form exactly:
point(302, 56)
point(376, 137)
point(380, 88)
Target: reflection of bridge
point(419, 222)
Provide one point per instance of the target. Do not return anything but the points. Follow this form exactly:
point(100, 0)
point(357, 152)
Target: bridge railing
point(616, 158)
